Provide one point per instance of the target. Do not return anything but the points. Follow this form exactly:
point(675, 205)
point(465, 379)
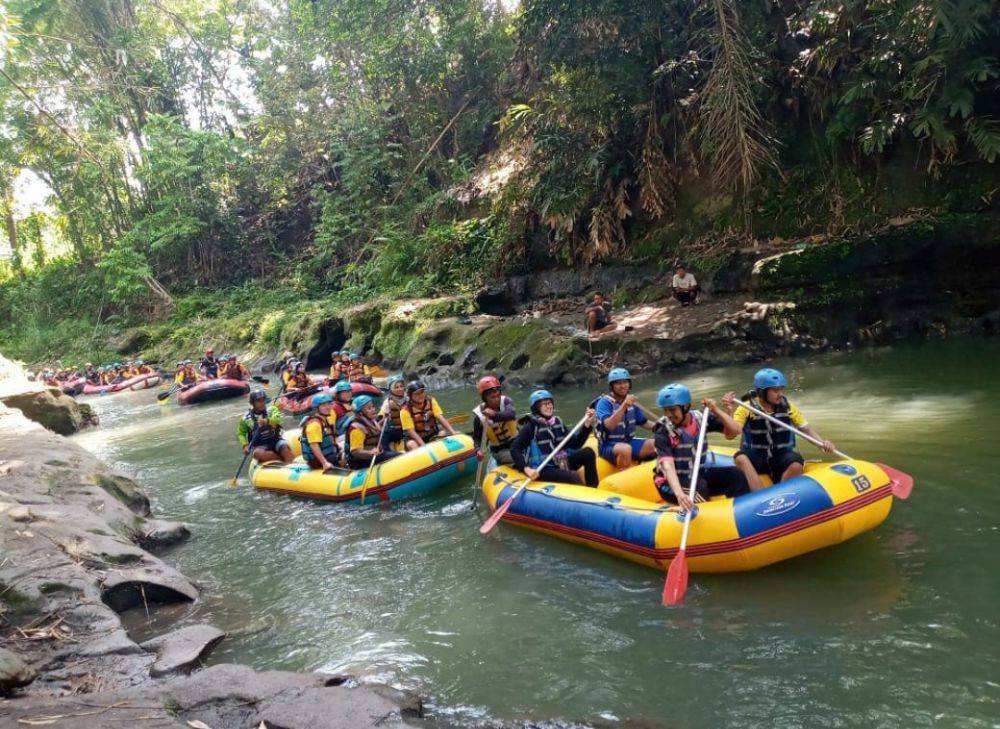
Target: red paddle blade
point(902, 483)
point(677, 580)
point(496, 516)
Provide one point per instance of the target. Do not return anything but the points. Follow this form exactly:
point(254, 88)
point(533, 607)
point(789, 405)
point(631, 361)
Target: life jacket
point(211, 366)
point(299, 381)
point(548, 434)
point(424, 421)
point(764, 437)
point(355, 371)
point(345, 414)
point(395, 404)
point(370, 428)
point(328, 446)
point(684, 446)
point(93, 378)
point(499, 434)
point(265, 435)
point(626, 428)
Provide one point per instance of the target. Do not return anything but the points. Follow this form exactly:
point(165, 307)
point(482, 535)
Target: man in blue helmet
point(343, 404)
point(542, 431)
point(767, 448)
point(394, 401)
point(618, 415)
point(676, 445)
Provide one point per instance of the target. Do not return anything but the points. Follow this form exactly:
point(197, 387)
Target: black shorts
point(775, 464)
point(716, 481)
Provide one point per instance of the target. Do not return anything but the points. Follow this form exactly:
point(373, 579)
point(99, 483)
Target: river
point(898, 627)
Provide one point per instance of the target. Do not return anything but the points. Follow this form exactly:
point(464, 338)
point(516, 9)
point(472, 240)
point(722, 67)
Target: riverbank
point(79, 548)
point(912, 279)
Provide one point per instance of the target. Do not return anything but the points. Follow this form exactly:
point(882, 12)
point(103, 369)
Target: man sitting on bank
point(683, 286)
point(599, 315)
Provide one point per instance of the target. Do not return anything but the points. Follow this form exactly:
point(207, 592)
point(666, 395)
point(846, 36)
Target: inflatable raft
point(139, 382)
point(73, 387)
point(624, 516)
point(298, 406)
point(412, 474)
point(211, 390)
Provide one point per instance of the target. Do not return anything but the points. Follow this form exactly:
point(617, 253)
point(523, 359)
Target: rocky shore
point(77, 548)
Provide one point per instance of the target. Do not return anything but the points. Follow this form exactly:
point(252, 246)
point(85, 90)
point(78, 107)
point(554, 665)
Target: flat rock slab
point(124, 589)
point(181, 651)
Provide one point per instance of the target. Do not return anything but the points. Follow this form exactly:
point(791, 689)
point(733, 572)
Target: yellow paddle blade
point(459, 418)
point(232, 483)
point(378, 371)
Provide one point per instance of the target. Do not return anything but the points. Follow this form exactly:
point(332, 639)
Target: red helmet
point(488, 383)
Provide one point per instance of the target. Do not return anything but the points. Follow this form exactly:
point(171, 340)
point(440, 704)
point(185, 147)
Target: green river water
point(899, 627)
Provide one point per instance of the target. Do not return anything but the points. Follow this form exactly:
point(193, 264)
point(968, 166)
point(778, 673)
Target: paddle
point(232, 481)
point(498, 514)
point(371, 466)
point(482, 461)
point(164, 396)
point(459, 418)
point(677, 576)
point(902, 483)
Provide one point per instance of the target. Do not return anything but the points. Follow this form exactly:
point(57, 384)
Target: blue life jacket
point(547, 437)
point(626, 428)
point(328, 446)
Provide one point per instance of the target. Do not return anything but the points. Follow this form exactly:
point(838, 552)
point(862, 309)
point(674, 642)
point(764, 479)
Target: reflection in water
point(890, 629)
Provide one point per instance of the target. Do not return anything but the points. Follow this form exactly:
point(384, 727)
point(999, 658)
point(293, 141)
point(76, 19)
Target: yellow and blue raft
point(625, 516)
point(412, 474)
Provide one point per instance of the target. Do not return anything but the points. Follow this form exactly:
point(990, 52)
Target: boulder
point(181, 651)
point(160, 534)
point(14, 672)
point(53, 409)
point(125, 490)
point(124, 589)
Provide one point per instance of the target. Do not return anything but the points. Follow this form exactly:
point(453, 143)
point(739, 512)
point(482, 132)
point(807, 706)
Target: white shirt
point(685, 282)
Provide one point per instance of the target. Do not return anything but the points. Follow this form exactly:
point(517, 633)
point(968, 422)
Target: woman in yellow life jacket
point(319, 436)
point(421, 417)
point(300, 378)
point(187, 375)
point(365, 436)
point(496, 413)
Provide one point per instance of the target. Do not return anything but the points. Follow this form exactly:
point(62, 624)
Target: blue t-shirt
point(606, 407)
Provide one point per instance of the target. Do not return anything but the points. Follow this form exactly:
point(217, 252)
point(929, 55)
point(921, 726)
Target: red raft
point(72, 387)
point(139, 382)
point(211, 390)
point(291, 405)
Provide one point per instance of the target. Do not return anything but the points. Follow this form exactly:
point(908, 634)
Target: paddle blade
point(501, 510)
point(902, 483)
point(677, 580)
point(232, 483)
point(460, 418)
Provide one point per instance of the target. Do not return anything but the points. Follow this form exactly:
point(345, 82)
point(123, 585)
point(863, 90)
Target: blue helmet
point(393, 379)
point(342, 386)
point(537, 396)
point(361, 400)
point(674, 394)
point(618, 374)
point(769, 377)
point(321, 399)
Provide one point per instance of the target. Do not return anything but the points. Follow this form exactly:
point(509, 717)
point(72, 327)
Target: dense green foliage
point(418, 147)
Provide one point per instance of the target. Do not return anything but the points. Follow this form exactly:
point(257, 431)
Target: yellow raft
point(414, 473)
point(624, 516)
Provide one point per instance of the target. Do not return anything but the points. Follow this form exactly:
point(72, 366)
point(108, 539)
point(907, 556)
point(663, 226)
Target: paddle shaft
point(491, 522)
point(694, 477)
point(246, 456)
point(814, 441)
point(482, 460)
point(371, 466)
